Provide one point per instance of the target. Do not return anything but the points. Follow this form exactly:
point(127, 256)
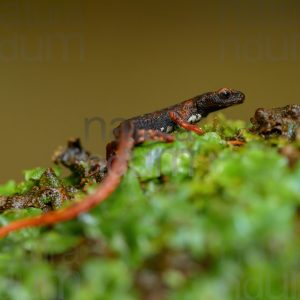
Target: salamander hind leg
point(143, 135)
point(176, 118)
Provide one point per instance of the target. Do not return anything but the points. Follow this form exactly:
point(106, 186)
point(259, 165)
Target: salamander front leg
point(176, 118)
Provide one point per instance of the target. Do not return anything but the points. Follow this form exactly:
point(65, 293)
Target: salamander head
point(220, 99)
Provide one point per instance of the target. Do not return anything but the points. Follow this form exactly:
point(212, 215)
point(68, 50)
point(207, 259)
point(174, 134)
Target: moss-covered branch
point(195, 219)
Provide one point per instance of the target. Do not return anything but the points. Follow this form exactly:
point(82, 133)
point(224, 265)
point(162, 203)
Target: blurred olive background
point(65, 62)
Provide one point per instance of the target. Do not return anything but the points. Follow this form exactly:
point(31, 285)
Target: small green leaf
point(9, 188)
point(34, 174)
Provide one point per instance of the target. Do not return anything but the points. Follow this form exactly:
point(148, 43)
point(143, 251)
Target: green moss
point(195, 219)
point(8, 189)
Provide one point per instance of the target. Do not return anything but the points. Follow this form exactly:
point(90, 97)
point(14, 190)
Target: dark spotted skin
point(157, 125)
point(160, 120)
point(200, 105)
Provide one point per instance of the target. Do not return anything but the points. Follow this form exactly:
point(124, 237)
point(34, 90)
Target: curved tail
point(106, 188)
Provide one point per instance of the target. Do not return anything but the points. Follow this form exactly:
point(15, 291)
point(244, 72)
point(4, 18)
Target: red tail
point(106, 188)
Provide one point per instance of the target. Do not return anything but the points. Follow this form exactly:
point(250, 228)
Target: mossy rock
point(195, 219)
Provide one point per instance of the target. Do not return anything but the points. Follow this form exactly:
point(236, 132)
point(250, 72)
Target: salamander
point(155, 126)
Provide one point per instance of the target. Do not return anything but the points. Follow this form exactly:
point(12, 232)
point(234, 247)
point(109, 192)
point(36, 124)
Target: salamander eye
point(224, 94)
